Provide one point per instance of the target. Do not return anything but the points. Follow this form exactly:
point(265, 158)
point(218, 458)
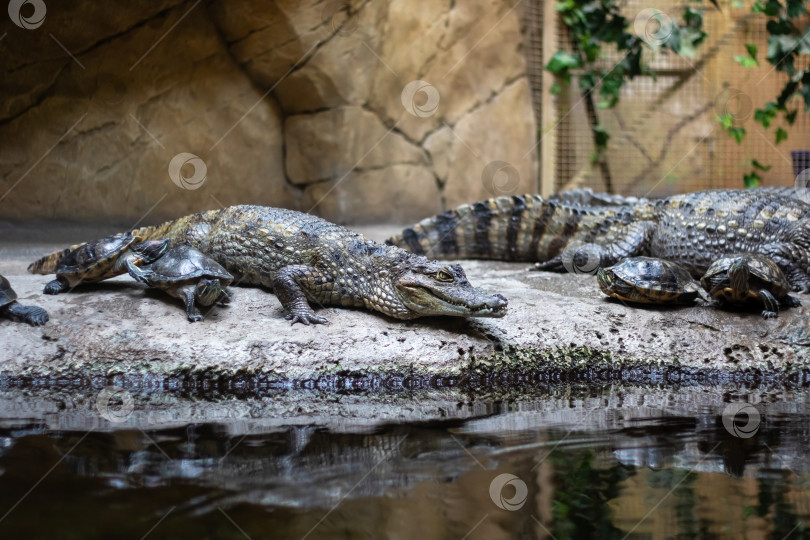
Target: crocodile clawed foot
point(305, 318)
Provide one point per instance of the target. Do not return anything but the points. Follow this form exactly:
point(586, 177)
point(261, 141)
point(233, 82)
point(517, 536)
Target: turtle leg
point(789, 301)
point(289, 284)
point(58, 285)
point(186, 294)
point(33, 315)
point(136, 272)
point(770, 303)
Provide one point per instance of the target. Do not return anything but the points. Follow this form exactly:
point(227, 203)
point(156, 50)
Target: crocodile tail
point(503, 228)
point(171, 229)
point(49, 263)
point(524, 228)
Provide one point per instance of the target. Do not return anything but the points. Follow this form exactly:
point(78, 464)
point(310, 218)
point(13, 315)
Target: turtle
point(747, 277)
point(11, 309)
point(102, 259)
point(187, 274)
point(649, 280)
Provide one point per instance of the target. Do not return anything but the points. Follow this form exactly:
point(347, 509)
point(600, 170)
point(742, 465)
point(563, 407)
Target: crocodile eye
point(443, 275)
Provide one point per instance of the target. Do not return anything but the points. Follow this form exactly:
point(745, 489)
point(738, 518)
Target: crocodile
point(303, 259)
point(564, 234)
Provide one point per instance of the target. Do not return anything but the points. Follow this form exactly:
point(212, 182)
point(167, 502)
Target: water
point(572, 463)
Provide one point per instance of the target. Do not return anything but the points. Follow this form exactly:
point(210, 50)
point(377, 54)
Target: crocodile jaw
point(424, 295)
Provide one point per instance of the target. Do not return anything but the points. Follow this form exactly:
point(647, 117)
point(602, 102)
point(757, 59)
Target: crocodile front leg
point(792, 260)
point(290, 284)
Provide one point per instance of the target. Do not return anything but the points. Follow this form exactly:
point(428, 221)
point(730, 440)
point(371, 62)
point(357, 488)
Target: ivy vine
point(597, 24)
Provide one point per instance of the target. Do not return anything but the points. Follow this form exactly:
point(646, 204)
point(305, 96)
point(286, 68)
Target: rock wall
point(356, 111)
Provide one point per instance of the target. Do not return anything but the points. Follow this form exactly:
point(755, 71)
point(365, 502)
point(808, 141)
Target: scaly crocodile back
point(517, 228)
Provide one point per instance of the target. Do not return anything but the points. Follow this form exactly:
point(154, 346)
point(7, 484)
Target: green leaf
point(752, 50)
point(726, 120)
point(746, 61)
point(752, 180)
point(772, 8)
point(764, 117)
point(562, 61)
point(567, 5)
point(737, 133)
point(756, 164)
point(600, 137)
point(791, 116)
point(555, 88)
point(795, 8)
point(804, 42)
point(781, 135)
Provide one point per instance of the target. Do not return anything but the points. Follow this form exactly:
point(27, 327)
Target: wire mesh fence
point(665, 134)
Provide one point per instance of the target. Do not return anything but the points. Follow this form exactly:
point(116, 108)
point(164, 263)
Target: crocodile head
point(433, 288)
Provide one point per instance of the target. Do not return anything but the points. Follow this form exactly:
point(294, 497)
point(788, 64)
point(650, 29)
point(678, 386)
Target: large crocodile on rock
point(578, 233)
point(306, 259)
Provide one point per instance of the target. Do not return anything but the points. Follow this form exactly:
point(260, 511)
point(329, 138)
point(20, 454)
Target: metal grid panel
point(665, 137)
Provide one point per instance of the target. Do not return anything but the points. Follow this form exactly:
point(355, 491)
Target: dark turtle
point(187, 274)
point(650, 281)
point(102, 259)
point(747, 277)
point(11, 309)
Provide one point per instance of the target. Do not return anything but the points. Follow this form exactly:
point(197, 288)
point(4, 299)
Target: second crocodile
point(561, 233)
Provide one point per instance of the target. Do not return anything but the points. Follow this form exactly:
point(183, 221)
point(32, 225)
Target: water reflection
point(647, 477)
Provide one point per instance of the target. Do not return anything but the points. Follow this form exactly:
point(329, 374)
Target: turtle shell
point(764, 273)
point(185, 263)
point(7, 294)
point(92, 260)
point(649, 280)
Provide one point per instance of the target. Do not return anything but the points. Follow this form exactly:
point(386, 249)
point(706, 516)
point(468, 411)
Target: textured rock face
point(558, 327)
point(307, 105)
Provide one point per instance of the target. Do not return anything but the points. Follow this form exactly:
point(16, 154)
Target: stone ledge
point(559, 327)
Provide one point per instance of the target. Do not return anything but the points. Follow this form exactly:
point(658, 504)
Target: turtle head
point(434, 288)
point(208, 291)
point(615, 287)
point(739, 274)
point(150, 251)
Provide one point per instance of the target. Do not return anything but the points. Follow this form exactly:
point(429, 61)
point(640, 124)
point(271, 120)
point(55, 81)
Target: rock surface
point(296, 104)
point(558, 328)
